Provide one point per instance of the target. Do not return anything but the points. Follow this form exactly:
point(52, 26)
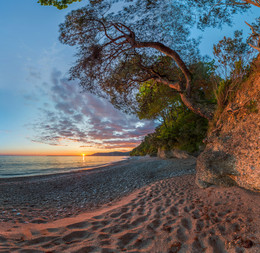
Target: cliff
point(232, 153)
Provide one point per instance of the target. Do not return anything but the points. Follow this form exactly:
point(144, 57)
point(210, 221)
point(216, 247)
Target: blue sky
point(34, 89)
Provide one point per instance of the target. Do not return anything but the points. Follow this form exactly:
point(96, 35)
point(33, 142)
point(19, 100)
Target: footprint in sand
point(83, 224)
point(140, 210)
point(126, 216)
point(76, 235)
point(198, 246)
point(88, 249)
point(126, 239)
point(99, 217)
point(196, 214)
point(154, 224)
point(138, 221)
point(115, 215)
point(112, 230)
point(39, 221)
point(103, 236)
point(105, 242)
point(216, 244)
point(2, 239)
point(181, 201)
point(27, 251)
point(199, 225)
point(142, 244)
point(107, 250)
point(53, 230)
point(40, 240)
point(174, 211)
point(221, 229)
point(181, 236)
point(186, 222)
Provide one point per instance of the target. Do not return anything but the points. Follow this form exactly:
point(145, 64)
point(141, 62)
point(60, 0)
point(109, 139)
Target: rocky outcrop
point(232, 153)
point(174, 153)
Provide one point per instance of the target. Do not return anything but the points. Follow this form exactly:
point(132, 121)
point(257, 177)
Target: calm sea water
point(19, 166)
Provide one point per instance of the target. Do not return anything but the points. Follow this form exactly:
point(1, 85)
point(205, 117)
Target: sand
point(165, 215)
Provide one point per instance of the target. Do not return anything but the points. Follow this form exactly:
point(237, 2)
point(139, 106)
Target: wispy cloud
point(75, 116)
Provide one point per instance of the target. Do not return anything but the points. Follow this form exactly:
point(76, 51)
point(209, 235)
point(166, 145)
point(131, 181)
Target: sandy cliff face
point(232, 153)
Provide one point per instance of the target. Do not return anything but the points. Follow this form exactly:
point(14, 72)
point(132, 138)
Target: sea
point(20, 166)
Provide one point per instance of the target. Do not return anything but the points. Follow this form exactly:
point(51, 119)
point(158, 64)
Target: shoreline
point(56, 196)
point(61, 173)
point(145, 205)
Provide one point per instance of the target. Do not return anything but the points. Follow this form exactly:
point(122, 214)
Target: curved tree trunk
point(185, 93)
point(197, 108)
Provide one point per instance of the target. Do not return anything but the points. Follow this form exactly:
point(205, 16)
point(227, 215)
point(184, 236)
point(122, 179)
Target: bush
point(183, 130)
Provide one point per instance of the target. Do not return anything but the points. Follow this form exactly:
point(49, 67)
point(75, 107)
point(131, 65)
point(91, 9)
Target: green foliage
point(158, 101)
point(233, 56)
point(180, 128)
point(59, 4)
point(155, 100)
point(203, 80)
point(183, 129)
point(148, 146)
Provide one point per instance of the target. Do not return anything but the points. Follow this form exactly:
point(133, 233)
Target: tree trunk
point(197, 108)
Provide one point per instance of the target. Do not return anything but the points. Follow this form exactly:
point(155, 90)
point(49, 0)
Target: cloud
point(71, 115)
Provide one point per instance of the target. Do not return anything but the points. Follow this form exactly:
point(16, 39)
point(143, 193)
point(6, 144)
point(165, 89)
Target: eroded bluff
point(232, 153)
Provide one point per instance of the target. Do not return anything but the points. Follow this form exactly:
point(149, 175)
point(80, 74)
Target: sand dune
point(171, 215)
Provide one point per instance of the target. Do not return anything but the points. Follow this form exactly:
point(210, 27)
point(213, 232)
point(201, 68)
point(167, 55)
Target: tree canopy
point(122, 44)
point(119, 50)
point(60, 4)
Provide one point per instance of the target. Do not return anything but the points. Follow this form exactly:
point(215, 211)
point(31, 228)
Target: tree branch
point(254, 34)
point(171, 53)
point(255, 2)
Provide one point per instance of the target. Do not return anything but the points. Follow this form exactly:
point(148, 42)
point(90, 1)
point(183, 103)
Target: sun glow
point(83, 157)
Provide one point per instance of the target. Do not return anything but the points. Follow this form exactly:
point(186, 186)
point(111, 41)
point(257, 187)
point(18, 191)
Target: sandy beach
point(138, 205)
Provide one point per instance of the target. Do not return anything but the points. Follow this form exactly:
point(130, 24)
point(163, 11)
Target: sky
point(41, 112)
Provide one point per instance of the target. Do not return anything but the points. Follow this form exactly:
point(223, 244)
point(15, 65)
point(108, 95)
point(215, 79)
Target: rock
point(232, 153)
point(164, 154)
point(174, 153)
point(180, 154)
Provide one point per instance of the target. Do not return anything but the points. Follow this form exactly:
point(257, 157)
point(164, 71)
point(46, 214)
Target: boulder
point(174, 153)
point(232, 153)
